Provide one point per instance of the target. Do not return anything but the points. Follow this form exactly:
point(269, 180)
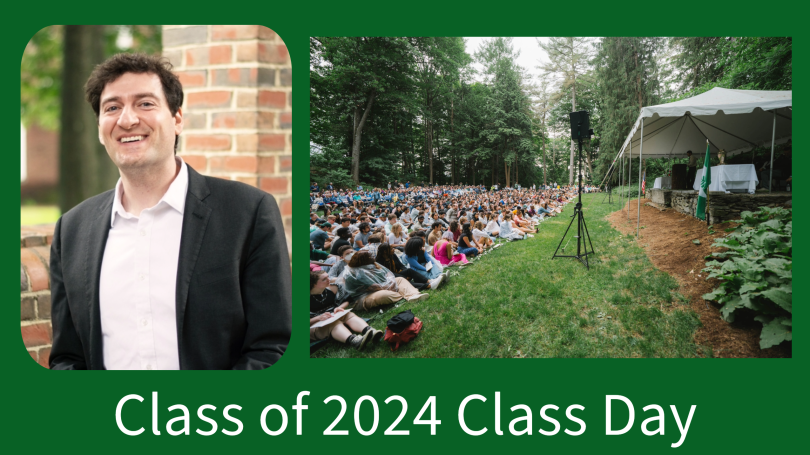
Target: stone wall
point(727, 207)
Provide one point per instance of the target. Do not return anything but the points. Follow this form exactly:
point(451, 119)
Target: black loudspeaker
point(580, 125)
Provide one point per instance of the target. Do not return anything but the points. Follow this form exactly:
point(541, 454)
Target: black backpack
point(401, 321)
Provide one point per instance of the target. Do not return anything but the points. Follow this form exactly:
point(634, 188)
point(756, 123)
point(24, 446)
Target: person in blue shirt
point(418, 260)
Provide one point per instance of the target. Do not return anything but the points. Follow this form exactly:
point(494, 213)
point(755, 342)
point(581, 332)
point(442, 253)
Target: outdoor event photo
point(156, 197)
point(550, 197)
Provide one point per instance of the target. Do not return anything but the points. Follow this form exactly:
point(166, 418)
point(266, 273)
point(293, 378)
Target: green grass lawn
point(517, 302)
point(38, 214)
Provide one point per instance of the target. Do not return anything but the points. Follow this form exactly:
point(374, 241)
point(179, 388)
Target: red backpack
point(405, 334)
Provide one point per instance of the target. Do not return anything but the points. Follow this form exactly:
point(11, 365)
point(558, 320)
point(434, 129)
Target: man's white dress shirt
point(138, 282)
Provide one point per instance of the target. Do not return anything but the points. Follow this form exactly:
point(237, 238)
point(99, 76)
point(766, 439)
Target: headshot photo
point(164, 242)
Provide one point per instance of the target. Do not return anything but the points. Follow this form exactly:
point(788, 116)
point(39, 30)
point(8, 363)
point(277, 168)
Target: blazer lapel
point(195, 219)
point(95, 239)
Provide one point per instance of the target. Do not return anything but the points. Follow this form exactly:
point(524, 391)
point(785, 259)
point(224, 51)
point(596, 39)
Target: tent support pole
point(629, 170)
point(640, 151)
point(773, 139)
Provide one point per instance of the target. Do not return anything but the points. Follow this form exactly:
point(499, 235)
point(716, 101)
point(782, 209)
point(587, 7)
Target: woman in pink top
point(443, 254)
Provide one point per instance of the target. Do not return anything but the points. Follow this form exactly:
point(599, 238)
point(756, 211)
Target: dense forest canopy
point(416, 109)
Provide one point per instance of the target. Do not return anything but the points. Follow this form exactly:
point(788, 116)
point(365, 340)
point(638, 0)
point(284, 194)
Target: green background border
point(743, 405)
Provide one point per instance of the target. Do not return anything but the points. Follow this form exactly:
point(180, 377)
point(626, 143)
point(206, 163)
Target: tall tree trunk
point(573, 109)
point(85, 169)
point(492, 171)
point(505, 164)
point(413, 149)
point(638, 79)
point(588, 162)
point(359, 123)
point(452, 149)
point(544, 154)
point(429, 147)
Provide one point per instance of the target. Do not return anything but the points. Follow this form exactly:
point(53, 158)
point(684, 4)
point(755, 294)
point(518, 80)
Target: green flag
point(704, 186)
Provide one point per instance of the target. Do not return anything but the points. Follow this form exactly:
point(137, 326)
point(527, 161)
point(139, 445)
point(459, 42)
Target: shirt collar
point(175, 196)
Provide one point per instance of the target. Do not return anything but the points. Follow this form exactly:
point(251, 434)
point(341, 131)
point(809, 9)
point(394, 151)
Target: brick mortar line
point(210, 43)
point(230, 40)
point(228, 66)
point(225, 154)
point(244, 89)
point(24, 294)
point(33, 322)
point(226, 110)
point(238, 131)
point(229, 110)
point(209, 88)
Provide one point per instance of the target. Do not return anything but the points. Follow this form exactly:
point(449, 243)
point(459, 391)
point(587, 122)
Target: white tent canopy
point(732, 120)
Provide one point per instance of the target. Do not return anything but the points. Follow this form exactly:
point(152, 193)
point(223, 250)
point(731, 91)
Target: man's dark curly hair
point(120, 64)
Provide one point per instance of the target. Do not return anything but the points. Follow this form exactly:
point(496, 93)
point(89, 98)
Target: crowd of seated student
point(381, 246)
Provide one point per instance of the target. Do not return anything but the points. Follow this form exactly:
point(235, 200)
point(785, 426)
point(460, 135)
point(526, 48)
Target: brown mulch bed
point(667, 237)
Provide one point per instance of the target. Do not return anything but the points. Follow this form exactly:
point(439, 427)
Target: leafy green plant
point(756, 272)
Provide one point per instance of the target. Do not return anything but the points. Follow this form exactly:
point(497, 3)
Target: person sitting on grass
point(435, 233)
point(374, 241)
point(417, 226)
point(392, 220)
point(323, 304)
point(508, 231)
point(320, 242)
point(344, 255)
point(492, 227)
point(452, 233)
point(515, 226)
point(467, 244)
point(343, 236)
point(519, 220)
point(397, 238)
point(444, 252)
point(387, 257)
point(480, 236)
point(370, 285)
point(361, 238)
point(421, 262)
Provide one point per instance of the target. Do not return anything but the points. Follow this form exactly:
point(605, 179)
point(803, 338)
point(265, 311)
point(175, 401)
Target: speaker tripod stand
point(577, 120)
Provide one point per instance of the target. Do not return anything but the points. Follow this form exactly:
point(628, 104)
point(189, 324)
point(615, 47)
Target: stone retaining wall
point(722, 206)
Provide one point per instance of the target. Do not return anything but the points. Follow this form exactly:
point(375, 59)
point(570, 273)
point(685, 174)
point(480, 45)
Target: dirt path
point(667, 237)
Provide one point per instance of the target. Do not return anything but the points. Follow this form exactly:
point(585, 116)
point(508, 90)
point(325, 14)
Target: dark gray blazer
point(234, 297)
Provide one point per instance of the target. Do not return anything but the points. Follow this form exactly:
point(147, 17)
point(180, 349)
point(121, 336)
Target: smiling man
point(171, 269)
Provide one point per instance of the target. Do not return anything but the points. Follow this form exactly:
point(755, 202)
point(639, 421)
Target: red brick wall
point(238, 120)
point(35, 292)
point(42, 163)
